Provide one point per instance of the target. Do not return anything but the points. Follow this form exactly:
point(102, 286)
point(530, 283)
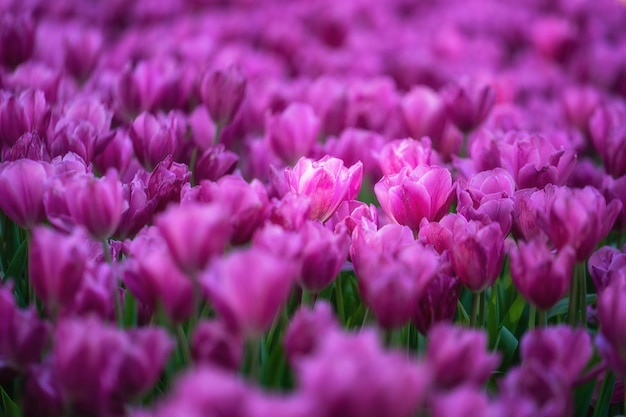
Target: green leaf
point(506, 343)
point(562, 306)
point(9, 408)
point(130, 310)
point(604, 396)
point(582, 398)
point(18, 262)
point(514, 314)
point(492, 317)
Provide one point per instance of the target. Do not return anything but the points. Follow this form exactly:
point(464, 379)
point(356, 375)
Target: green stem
point(119, 315)
point(462, 312)
point(365, 317)
point(218, 132)
point(474, 312)
point(582, 281)
point(531, 317)
point(192, 166)
point(183, 344)
point(543, 318)
point(254, 359)
point(339, 295)
point(482, 309)
point(604, 396)
point(308, 298)
point(573, 295)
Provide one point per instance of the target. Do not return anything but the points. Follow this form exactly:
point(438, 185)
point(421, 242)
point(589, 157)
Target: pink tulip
point(327, 182)
point(540, 276)
point(411, 196)
point(249, 299)
point(23, 184)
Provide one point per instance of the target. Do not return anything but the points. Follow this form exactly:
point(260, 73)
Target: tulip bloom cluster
point(312, 208)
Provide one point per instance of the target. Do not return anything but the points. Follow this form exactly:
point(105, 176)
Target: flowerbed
point(329, 208)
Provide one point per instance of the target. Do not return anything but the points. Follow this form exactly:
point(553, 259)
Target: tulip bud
point(424, 113)
point(56, 266)
point(541, 277)
point(468, 103)
point(412, 196)
point(17, 39)
point(96, 204)
point(327, 182)
point(213, 343)
point(194, 234)
point(292, 134)
point(249, 299)
point(23, 184)
point(458, 356)
point(477, 254)
point(222, 92)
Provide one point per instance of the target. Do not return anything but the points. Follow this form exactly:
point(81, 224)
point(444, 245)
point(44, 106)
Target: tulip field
point(329, 208)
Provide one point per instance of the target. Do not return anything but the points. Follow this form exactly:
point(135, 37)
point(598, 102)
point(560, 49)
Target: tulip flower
point(327, 182)
point(410, 153)
point(477, 254)
point(292, 134)
point(23, 184)
point(424, 113)
point(194, 234)
point(350, 375)
point(96, 204)
point(580, 218)
point(414, 195)
point(458, 356)
point(222, 92)
point(249, 299)
point(540, 276)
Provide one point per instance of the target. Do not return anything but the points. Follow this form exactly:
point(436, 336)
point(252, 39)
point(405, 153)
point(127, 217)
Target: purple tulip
point(292, 134)
point(558, 350)
point(412, 196)
point(23, 184)
point(532, 391)
point(194, 234)
point(17, 39)
point(424, 113)
point(612, 339)
point(307, 329)
point(327, 182)
point(22, 334)
point(328, 97)
point(458, 356)
point(392, 281)
point(468, 103)
point(156, 137)
point(56, 266)
point(96, 204)
point(214, 163)
point(409, 153)
point(154, 279)
point(439, 302)
point(607, 132)
point(580, 218)
point(477, 254)
point(350, 375)
point(354, 145)
point(23, 113)
point(249, 299)
point(540, 276)
point(222, 92)
point(214, 344)
point(92, 364)
point(606, 265)
point(246, 203)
